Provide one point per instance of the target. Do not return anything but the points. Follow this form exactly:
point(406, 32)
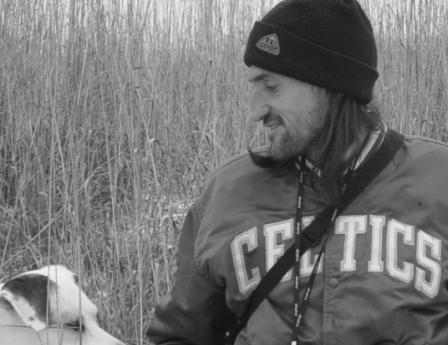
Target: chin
point(282, 153)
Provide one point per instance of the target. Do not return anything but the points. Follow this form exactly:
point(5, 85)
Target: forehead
point(258, 74)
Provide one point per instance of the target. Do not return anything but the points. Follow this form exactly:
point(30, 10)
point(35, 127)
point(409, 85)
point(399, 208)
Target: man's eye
point(271, 87)
point(75, 325)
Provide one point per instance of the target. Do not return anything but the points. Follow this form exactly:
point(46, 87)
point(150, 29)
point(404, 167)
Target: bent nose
point(257, 107)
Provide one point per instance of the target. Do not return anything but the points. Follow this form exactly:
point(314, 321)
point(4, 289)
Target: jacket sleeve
point(195, 311)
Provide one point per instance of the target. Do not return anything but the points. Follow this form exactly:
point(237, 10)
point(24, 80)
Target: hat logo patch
point(269, 44)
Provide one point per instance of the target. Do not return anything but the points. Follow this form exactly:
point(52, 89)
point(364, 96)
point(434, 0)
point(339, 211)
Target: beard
point(288, 142)
point(287, 146)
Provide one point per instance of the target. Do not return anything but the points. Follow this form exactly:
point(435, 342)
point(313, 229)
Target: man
point(383, 276)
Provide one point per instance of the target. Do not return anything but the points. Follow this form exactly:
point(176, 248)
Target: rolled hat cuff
point(300, 59)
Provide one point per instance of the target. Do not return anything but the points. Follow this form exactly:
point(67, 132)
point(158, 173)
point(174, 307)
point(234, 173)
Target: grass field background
point(113, 112)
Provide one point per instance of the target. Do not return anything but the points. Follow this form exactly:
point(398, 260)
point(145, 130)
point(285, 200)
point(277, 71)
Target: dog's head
point(53, 309)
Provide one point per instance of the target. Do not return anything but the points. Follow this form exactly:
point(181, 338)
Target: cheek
point(319, 114)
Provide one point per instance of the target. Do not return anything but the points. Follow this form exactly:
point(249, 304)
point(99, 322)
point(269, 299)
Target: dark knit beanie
point(327, 43)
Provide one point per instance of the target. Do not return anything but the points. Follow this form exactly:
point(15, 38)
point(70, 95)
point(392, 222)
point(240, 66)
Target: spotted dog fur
point(43, 308)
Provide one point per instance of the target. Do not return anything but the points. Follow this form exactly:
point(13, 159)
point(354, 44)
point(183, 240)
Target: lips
point(272, 121)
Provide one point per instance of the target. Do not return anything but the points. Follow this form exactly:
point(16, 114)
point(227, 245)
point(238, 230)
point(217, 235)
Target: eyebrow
point(259, 77)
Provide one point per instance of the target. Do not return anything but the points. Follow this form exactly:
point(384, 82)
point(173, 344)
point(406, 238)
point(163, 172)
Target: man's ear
point(27, 295)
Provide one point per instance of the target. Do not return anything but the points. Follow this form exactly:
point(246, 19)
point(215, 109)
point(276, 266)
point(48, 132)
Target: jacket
point(383, 279)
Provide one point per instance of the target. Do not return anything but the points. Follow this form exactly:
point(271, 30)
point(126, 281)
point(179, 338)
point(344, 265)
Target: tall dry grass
point(112, 112)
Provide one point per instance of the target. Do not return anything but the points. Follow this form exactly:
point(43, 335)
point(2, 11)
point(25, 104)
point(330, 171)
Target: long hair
point(342, 137)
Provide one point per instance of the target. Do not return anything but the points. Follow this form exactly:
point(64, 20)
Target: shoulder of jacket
point(419, 154)
point(425, 140)
point(235, 175)
point(240, 165)
point(427, 149)
point(240, 159)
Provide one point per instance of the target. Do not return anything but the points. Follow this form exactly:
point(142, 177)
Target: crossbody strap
point(364, 175)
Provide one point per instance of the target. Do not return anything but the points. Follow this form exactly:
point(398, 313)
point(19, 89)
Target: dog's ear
point(3, 302)
point(27, 294)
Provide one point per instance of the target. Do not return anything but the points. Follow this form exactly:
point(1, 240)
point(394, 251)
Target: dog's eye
point(75, 325)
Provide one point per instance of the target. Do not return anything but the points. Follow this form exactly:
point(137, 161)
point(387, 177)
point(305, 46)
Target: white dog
point(47, 307)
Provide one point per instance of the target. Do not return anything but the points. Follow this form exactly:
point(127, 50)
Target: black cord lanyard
point(300, 305)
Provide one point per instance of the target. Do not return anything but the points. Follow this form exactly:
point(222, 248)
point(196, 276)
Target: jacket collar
point(375, 139)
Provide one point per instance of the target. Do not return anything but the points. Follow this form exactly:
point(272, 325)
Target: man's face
point(293, 111)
